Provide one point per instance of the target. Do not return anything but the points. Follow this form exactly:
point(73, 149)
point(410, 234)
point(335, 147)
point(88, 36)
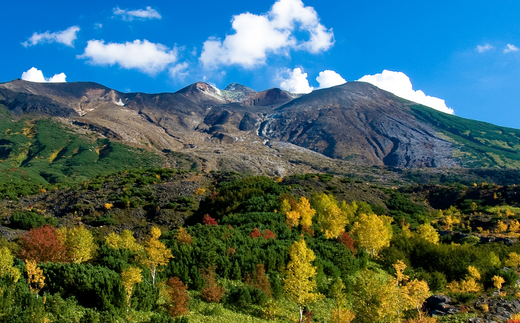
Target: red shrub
point(269, 234)
point(42, 245)
point(209, 220)
point(348, 241)
point(256, 233)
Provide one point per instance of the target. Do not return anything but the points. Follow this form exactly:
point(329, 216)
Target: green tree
point(300, 281)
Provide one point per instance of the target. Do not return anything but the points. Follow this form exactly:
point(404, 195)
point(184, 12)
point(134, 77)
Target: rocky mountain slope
point(273, 131)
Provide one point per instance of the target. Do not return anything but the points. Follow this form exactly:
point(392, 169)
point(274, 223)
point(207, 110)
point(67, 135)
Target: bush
point(30, 220)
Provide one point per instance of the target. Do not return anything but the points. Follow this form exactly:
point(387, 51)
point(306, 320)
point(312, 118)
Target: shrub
point(179, 296)
point(42, 245)
point(30, 220)
point(212, 293)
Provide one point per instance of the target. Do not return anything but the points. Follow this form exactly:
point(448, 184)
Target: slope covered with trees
point(231, 248)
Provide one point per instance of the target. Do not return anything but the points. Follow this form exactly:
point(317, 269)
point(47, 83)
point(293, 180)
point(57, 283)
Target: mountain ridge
point(355, 122)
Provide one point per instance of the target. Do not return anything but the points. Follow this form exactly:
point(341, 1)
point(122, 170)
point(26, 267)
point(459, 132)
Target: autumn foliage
point(212, 293)
point(347, 241)
point(43, 245)
point(260, 280)
point(179, 297)
point(268, 234)
point(207, 220)
point(183, 236)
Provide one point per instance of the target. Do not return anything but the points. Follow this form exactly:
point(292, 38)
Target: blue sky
point(462, 52)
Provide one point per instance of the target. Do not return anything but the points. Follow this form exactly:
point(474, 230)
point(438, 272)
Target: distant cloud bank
point(66, 37)
point(256, 36)
point(144, 56)
point(399, 84)
point(139, 14)
point(35, 75)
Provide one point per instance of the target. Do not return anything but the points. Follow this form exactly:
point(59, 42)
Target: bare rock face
point(359, 122)
point(353, 122)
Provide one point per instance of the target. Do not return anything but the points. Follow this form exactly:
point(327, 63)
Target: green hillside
point(39, 153)
point(480, 144)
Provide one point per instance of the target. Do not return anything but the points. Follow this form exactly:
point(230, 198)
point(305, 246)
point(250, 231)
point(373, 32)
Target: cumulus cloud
point(510, 48)
point(484, 48)
point(141, 14)
point(258, 35)
point(329, 78)
point(399, 84)
point(143, 55)
point(66, 37)
point(35, 75)
point(296, 82)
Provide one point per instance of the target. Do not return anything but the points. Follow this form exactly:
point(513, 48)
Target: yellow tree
point(340, 314)
point(35, 278)
point(413, 293)
point(125, 240)
point(428, 233)
point(79, 243)
point(156, 253)
point(469, 284)
point(497, 282)
point(300, 281)
point(514, 226)
point(372, 232)
point(6, 264)
point(513, 260)
point(130, 277)
point(303, 207)
point(329, 215)
point(376, 297)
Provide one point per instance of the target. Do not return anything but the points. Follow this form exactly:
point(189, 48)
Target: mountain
point(338, 129)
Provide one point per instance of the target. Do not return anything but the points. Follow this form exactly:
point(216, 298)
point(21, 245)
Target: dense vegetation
point(311, 247)
point(481, 144)
point(40, 154)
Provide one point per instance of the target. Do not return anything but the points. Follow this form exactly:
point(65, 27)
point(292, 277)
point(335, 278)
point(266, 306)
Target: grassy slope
point(36, 153)
point(479, 144)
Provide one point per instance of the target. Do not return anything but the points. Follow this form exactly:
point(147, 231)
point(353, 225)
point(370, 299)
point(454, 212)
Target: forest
point(232, 248)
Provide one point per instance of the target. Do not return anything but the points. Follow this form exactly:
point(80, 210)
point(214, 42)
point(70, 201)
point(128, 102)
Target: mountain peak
point(239, 88)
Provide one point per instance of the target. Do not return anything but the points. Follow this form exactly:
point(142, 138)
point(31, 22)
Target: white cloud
point(296, 82)
point(399, 84)
point(143, 55)
point(179, 71)
point(35, 75)
point(141, 14)
point(329, 78)
point(66, 37)
point(256, 36)
point(510, 48)
point(58, 78)
point(98, 25)
point(484, 48)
